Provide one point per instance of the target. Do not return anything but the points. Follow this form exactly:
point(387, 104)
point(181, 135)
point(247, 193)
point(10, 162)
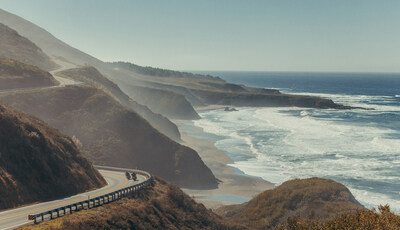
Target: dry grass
point(164, 206)
point(320, 198)
point(14, 74)
point(363, 219)
point(112, 135)
point(14, 46)
point(38, 163)
point(93, 77)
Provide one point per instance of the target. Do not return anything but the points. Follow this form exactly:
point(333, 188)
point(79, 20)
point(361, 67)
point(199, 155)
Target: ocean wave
point(279, 144)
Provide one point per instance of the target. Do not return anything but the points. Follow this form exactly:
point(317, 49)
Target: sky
point(227, 35)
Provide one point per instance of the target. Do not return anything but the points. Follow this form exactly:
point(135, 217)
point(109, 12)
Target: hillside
point(316, 197)
point(93, 77)
point(151, 71)
point(163, 206)
point(46, 41)
point(197, 89)
point(202, 90)
point(38, 163)
point(113, 135)
point(171, 104)
point(14, 74)
point(14, 46)
point(384, 219)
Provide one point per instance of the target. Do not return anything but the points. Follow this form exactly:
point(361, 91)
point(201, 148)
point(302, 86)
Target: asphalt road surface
point(14, 218)
point(63, 82)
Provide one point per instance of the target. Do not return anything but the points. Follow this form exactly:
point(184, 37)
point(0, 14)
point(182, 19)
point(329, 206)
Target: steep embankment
point(14, 74)
point(166, 102)
point(93, 77)
point(320, 198)
point(43, 39)
point(113, 135)
point(38, 163)
point(14, 46)
point(162, 206)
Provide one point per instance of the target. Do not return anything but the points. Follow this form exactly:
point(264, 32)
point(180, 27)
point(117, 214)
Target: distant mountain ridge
point(38, 163)
point(14, 46)
point(153, 71)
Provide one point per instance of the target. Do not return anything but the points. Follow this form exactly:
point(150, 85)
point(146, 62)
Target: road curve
point(14, 218)
point(62, 82)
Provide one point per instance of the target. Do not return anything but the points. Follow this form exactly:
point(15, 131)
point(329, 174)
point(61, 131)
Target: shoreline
point(234, 187)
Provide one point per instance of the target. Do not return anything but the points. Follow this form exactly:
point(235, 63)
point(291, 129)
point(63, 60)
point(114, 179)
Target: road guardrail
point(95, 201)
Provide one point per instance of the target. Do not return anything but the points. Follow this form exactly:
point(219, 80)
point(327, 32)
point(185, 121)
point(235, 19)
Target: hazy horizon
point(272, 36)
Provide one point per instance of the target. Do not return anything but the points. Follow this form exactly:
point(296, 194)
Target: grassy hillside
point(113, 135)
point(383, 219)
point(14, 74)
point(163, 206)
point(14, 46)
point(316, 197)
point(38, 163)
point(43, 39)
point(93, 77)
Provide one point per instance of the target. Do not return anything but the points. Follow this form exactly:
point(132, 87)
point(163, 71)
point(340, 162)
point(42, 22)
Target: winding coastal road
point(14, 218)
point(62, 81)
point(115, 177)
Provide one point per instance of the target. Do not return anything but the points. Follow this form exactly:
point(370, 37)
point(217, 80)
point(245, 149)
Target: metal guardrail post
point(115, 195)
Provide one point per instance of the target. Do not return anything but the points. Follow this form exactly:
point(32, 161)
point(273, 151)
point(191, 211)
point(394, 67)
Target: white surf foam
point(278, 145)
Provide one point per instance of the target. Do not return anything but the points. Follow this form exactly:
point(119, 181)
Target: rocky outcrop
point(38, 163)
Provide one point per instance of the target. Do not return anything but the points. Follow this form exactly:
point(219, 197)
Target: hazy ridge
point(14, 46)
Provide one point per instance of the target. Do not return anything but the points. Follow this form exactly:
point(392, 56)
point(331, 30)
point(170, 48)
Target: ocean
point(358, 148)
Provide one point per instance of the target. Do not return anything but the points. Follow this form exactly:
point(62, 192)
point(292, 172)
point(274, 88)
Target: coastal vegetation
point(383, 219)
point(320, 198)
point(151, 71)
point(38, 163)
point(163, 206)
point(112, 134)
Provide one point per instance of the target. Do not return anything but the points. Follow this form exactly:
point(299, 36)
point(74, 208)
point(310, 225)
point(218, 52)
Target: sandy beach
point(233, 187)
